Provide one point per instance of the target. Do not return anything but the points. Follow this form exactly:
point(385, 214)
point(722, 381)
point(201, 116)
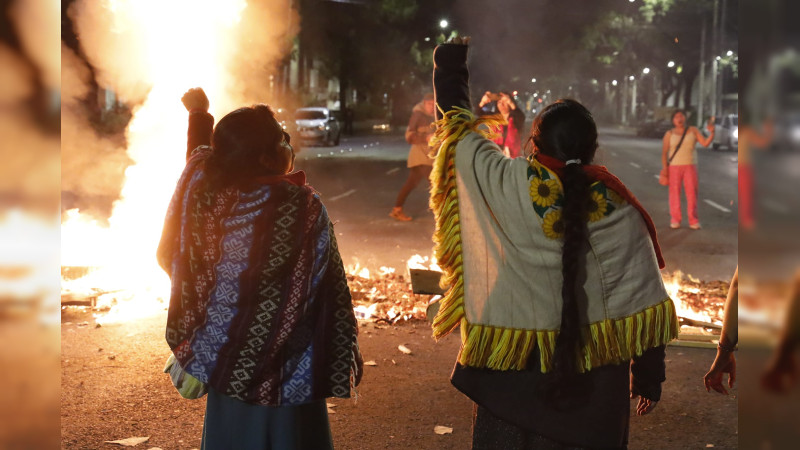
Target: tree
point(375, 46)
point(659, 31)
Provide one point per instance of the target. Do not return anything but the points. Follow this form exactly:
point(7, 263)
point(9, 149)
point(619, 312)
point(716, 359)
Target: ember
point(386, 297)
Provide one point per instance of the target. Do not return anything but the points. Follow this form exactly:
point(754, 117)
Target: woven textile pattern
point(260, 308)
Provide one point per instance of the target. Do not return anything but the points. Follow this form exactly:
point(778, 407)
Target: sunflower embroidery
point(544, 192)
point(598, 206)
point(615, 197)
point(552, 224)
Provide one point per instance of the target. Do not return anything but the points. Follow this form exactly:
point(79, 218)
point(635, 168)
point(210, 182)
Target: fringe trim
point(606, 342)
point(454, 126)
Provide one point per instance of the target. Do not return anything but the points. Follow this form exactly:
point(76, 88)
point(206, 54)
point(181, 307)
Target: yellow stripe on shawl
point(609, 341)
point(454, 125)
point(605, 342)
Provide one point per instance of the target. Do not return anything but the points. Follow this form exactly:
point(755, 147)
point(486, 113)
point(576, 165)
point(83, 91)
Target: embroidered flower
point(598, 206)
point(553, 226)
point(615, 197)
point(544, 192)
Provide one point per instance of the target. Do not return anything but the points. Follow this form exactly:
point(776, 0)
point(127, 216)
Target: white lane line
point(613, 153)
point(391, 171)
point(350, 192)
point(717, 205)
point(657, 176)
point(774, 206)
point(635, 165)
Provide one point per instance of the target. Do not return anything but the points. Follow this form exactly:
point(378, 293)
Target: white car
point(317, 125)
point(726, 132)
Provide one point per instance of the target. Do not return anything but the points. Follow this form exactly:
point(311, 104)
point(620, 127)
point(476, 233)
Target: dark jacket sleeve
point(648, 372)
point(201, 125)
point(450, 78)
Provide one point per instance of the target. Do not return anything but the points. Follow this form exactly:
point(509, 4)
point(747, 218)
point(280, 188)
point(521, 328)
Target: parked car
point(318, 125)
point(726, 132)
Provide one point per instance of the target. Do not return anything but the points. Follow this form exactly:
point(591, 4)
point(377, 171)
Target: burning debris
point(696, 300)
point(387, 297)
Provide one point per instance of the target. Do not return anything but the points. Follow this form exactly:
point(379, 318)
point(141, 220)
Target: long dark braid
point(565, 130)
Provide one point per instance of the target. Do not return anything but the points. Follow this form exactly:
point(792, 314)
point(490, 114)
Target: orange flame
point(184, 44)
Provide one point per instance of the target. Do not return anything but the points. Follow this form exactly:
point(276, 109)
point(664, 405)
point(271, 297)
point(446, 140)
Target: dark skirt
point(514, 401)
point(490, 432)
point(234, 424)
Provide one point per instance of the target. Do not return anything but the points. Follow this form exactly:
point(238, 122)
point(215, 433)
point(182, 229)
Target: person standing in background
point(679, 158)
point(508, 135)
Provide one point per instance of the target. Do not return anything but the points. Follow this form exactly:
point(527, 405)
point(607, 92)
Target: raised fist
point(194, 99)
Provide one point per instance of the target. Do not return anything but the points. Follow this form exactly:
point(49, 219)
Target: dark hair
point(675, 113)
point(239, 141)
point(565, 130)
point(517, 113)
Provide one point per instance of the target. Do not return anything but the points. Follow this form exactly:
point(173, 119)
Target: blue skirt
point(233, 424)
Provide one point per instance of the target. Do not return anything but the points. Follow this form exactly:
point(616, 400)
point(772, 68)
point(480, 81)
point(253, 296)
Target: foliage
point(377, 46)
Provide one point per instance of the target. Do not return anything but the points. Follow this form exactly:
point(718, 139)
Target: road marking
point(350, 192)
point(635, 165)
point(613, 153)
point(391, 171)
point(774, 206)
point(657, 176)
point(717, 205)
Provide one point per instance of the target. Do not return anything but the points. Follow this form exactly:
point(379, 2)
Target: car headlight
point(794, 134)
point(736, 133)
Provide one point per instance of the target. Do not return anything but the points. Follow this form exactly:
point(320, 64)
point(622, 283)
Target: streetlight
point(646, 70)
point(443, 23)
point(533, 80)
point(614, 83)
point(631, 77)
point(671, 64)
point(730, 53)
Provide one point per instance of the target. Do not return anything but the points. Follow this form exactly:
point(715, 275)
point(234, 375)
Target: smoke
point(131, 43)
point(92, 165)
point(148, 53)
point(267, 31)
point(38, 27)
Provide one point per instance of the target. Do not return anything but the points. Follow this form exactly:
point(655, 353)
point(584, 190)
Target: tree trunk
point(344, 75)
point(688, 80)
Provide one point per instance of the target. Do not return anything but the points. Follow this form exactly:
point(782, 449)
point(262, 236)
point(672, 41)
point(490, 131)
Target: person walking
point(679, 162)
point(260, 314)
point(552, 271)
point(418, 133)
